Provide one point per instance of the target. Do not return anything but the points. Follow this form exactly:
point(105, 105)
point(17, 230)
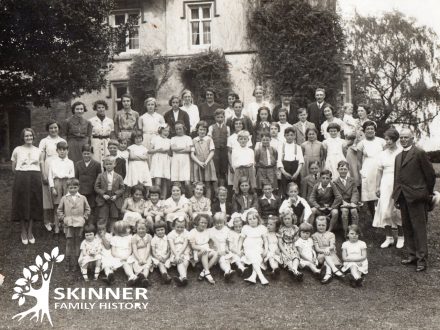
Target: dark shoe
point(131, 282)
point(145, 283)
point(420, 268)
point(228, 276)
point(178, 281)
point(351, 280)
point(359, 281)
point(246, 272)
point(322, 272)
point(184, 281)
point(276, 273)
point(109, 279)
point(139, 279)
point(326, 279)
point(166, 279)
point(298, 276)
point(408, 261)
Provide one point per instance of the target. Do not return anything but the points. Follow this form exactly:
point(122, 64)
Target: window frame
point(114, 93)
point(127, 13)
point(200, 20)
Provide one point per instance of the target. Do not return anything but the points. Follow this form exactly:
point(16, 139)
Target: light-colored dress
point(133, 211)
point(120, 252)
point(160, 162)
point(138, 171)
point(354, 250)
point(202, 148)
point(386, 213)
point(201, 239)
point(325, 124)
point(201, 205)
point(370, 150)
point(273, 249)
point(335, 154)
point(193, 113)
point(101, 130)
point(233, 238)
point(149, 124)
point(232, 143)
point(48, 147)
point(141, 245)
point(181, 204)
point(251, 110)
point(307, 251)
point(160, 248)
point(181, 162)
point(326, 240)
point(221, 236)
point(312, 152)
point(90, 251)
point(288, 236)
point(179, 241)
point(253, 247)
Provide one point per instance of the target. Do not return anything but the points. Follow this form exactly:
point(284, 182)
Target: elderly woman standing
point(77, 131)
point(102, 130)
point(368, 151)
point(191, 109)
point(48, 149)
point(27, 203)
point(150, 121)
point(387, 216)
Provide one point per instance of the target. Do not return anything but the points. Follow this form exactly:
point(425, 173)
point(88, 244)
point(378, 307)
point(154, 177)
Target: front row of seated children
point(250, 246)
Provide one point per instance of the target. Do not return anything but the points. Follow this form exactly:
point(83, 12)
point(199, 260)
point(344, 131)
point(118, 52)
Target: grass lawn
point(393, 296)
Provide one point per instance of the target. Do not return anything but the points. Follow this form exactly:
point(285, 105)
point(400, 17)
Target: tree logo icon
point(42, 270)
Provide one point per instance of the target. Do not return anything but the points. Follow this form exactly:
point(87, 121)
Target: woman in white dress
point(330, 118)
point(387, 216)
point(149, 122)
point(252, 108)
point(334, 148)
point(191, 109)
point(48, 149)
point(368, 151)
point(102, 129)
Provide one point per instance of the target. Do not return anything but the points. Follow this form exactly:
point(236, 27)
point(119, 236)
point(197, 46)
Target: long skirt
point(75, 146)
point(27, 200)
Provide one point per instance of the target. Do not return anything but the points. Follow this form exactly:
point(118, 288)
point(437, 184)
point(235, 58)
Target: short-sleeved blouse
point(354, 250)
point(26, 159)
point(253, 232)
point(193, 113)
point(180, 203)
point(198, 237)
point(48, 146)
point(149, 123)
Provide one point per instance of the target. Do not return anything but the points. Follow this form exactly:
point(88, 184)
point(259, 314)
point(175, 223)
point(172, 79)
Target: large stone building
point(178, 28)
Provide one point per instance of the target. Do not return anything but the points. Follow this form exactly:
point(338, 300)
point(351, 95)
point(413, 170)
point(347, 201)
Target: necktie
point(343, 181)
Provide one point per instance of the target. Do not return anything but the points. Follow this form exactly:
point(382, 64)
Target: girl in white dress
point(354, 255)
point(160, 251)
point(350, 123)
point(102, 128)
point(273, 256)
point(254, 243)
point(177, 205)
point(219, 234)
point(138, 171)
point(334, 149)
point(199, 240)
point(150, 121)
point(180, 250)
point(90, 252)
point(191, 109)
point(141, 257)
point(252, 108)
point(233, 143)
point(48, 148)
point(368, 150)
point(181, 145)
point(330, 118)
point(236, 223)
point(305, 248)
point(387, 216)
point(133, 207)
point(160, 159)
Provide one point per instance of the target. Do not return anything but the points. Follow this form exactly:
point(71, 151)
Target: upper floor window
point(131, 42)
point(200, 18)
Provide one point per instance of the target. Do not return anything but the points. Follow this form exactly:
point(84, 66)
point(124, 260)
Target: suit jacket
point(349, 191)
point(292, 115)
point(238, 202)
point(87, 176)
point(300, 136)
point(414, 177)
point(316, 116)
point(215, 207)
point(307, 185)
point(121, 167)
point(330, 195)
point(117, 189)
point(182, 116)
point(74, 211)
point(268, 207)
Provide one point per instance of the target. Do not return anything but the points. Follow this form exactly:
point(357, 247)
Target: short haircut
point(282, 110)
point(50, 123)
point(89, 228)
point(113, 143)
point(174, 97)
point(27, 129)
point(326, 172)
point(150, 99)
point(321, 218)
point(203, 124)
point(333, 126)
point(243, 133)
point(176, 184)
point(179, 122)
point(135, 134)
point(137, 187)
point(123, 140)
point(127, 96)
point(72, 182)
point(258, 88)
point(289, 130)
point(343, 163)
point(354, 228)
point(141, 222)
point(301, 110)
point(266, 183)
point(237, 101)
point(311, 129)
point(87, 147)
point(211, 90)
point(222, 189)
point(315, 162)
point(120, 227)
point(62, 145)
point(219, 216)
point(74, 105)
point(265, 134)
point(219, 112)
point(200, 217)
point(235, 95)
point(154, 190)
point(108, 159)
point(392, 133)
point(100, 102)
point(292, 185)
point(365, 107)
point(101, 224)
point(306, 227)
point(320, 89)
point(160, 224)
point(275, 124)
point(369, 123)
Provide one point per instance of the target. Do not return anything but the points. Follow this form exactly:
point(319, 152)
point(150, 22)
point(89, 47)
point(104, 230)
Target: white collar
point(69, 194)
point(110, 173)
point(321, 187)
point(408, 148)
point(272, 197)
point(298, 200)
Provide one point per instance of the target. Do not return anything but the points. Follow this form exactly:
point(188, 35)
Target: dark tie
point(404, 155)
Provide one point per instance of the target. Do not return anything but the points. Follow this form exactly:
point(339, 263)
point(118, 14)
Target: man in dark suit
point(316, 111)
point(286, 103)
point(414, 180)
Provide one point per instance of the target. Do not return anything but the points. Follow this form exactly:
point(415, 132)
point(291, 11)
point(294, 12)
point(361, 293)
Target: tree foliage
point(146, 75)
point(208, 69)
point(55, 48)
point(395, 69)
point(297, 45)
